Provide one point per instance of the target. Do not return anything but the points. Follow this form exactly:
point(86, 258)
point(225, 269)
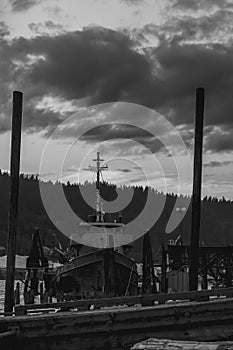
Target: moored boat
point(102, 268)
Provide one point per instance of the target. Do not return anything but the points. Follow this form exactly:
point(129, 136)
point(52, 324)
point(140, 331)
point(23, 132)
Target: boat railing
point(143, 300)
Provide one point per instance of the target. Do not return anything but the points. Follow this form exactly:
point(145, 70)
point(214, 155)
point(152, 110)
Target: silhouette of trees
point(216, 220)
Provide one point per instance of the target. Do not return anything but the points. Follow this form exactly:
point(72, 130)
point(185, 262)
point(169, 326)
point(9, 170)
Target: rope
point(131, 273)
point(8, 333)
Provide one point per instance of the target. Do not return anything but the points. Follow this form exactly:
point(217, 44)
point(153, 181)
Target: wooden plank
point(167, 344)
point(164, 317)
point(142, 300)
point(123, 327)
point(14, 193)
point(197, 317)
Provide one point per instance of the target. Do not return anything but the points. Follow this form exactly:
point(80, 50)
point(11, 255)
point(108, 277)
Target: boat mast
point(98, 169)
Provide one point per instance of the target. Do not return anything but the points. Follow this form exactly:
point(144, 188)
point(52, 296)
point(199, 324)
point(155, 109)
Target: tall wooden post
point(148, 276)
point(196, 197)
point(14, 191)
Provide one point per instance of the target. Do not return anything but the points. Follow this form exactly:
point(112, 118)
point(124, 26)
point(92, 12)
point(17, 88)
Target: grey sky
point(68, 55)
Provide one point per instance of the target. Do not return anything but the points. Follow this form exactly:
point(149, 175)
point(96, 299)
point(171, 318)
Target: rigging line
point(130, 277)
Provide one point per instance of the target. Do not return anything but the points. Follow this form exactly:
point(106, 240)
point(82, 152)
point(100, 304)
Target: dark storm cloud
point(124, 131)
point(96, 63)
point(125, 170)
point(216, 27)
point(220, 141)
point(6, 77)
point(186, 67)
point(198, 4)
point(12, 76)
point(214, 164)
point(113, 131)
point(189, 55)
point(100, 65)
point(40, 120)
point(22, 5)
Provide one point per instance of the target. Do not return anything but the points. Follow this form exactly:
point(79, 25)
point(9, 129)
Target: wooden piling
point(14, 191)
point(196, 197)
point(17, 294)
point(148, 275)
point(41, 292)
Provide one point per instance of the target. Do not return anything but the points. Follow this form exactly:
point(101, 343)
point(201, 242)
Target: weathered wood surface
point(166, 344)
point(14, 194)
point(144, 300)
point(196, 196)
point(121, 328)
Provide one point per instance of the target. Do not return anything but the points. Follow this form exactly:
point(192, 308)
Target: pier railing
point(143, 300)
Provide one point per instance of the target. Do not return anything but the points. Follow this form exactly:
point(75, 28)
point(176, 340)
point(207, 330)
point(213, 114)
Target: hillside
point(216, 222)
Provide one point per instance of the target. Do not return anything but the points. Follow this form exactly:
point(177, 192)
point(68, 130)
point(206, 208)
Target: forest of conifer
point(216, 218)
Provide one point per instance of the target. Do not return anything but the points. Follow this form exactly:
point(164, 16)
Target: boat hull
point(100, 273)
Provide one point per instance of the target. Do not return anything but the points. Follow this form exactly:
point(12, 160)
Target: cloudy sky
point(97, 59)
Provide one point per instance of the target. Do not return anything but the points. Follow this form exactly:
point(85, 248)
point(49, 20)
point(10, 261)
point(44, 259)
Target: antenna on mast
point(98, 169)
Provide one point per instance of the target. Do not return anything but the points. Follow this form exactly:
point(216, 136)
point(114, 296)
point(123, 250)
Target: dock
point(119, 323)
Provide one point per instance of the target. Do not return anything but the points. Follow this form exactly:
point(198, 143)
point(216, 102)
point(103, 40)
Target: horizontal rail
point(144, 300)
point(9, 313)
point(8, 333)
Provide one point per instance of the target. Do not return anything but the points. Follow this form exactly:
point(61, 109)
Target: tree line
point(216, 214)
